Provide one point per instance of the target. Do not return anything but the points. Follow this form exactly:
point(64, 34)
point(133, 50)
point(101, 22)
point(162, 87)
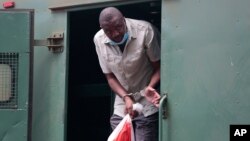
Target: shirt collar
point(130, 27)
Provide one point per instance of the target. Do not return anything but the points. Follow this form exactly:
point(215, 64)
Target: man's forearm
point(155, 79)
point(115, 85)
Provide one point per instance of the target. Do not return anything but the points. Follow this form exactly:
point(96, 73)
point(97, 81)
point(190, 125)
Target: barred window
point(8, 80)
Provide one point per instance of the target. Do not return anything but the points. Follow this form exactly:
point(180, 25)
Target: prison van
point(52, 87)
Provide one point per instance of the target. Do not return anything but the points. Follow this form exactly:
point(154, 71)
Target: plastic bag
point(124, 131)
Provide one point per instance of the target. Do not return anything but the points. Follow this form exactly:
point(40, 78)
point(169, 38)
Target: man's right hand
point(129, 107)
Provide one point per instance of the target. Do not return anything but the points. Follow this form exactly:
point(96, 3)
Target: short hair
point(108, 13)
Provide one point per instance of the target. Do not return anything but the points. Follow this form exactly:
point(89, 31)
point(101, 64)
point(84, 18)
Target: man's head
point(113, 23)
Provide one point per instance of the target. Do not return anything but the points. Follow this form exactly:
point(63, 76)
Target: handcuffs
point(135, 96)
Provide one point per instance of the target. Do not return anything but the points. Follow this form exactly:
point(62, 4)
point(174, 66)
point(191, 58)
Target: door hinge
point(54, 42)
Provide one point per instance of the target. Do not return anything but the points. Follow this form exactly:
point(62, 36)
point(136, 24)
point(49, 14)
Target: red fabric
point(125, 134)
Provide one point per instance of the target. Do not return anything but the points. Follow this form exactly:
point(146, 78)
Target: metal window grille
point(8, 80)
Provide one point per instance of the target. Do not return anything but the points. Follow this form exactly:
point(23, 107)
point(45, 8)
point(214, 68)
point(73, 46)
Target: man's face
point(115, 28)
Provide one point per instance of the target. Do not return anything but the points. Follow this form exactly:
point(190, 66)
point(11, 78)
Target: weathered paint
point(16, 39)
point(205, 67)
point(67, 3)
point(49, 93)
point(50, 70)
point(58, 4)
point(204, 62)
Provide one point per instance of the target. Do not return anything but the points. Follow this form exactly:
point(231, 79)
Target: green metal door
point(205, 68)
point(15, 74)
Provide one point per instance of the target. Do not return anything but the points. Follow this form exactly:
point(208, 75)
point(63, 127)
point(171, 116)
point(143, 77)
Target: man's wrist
point(127, 95)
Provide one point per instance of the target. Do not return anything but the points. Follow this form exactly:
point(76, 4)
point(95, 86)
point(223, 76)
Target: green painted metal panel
point(49, 78)
point(59, 4)
point(16, 36)
point(63, 3)
point(205, 68)
point(13, 125)
point(9, 23)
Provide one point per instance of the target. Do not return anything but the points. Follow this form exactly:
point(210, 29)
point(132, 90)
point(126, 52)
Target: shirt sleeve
point(102, 62)
point(152, 43)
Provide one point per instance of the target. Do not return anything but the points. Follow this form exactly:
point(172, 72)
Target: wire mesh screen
point(8, 80)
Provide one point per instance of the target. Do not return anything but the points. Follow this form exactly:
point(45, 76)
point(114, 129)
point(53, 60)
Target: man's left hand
point(152, 95)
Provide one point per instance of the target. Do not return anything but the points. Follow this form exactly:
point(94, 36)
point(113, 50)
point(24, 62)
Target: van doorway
point(90, 100)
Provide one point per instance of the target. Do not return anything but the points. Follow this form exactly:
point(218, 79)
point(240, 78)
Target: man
point(129, 55)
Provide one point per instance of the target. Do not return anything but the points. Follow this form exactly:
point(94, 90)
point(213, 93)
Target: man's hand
point(129, 107)
point(152, 96)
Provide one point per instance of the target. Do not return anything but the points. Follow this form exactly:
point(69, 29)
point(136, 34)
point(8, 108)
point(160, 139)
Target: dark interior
point(89, 97)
